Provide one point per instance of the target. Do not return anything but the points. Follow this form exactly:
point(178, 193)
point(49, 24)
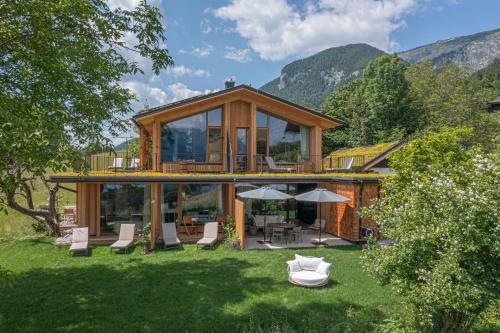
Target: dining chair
point(279, 233)
point(296, 233)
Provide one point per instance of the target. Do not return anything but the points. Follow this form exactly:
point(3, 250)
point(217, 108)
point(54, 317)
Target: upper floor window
point(281, 139)
point(196, 138)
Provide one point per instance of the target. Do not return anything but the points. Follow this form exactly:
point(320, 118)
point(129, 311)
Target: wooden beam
point(252, 137)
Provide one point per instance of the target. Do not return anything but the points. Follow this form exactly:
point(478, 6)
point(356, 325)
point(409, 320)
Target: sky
point(251, 40)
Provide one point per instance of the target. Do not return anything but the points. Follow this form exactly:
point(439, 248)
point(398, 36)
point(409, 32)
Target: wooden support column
point(252, 137)
point(226, 123)
point(88, 207)
point(179, 205)
point(142, 148)
point(315, 147)
point(155, 213)
point(156, 146)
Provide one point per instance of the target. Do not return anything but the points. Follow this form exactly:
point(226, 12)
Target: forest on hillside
point(393, 100)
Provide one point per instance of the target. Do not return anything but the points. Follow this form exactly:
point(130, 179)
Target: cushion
point(308, 278)
point(82, 246)
point(308, 263)
point(294, 266)
point(323, 268)
point(121, 244)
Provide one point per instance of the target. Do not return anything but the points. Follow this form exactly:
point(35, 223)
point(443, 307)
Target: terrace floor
point(308, 240)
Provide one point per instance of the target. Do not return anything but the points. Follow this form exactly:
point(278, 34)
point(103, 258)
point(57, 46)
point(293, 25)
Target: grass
point(15, 224)
point(184, 290)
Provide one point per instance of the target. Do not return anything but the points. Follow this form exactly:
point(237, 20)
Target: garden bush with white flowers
point(442, 211)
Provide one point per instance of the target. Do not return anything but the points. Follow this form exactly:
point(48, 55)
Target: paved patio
point(308, 237)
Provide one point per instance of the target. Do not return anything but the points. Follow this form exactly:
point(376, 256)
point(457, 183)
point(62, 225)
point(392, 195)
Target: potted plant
point(144, 239)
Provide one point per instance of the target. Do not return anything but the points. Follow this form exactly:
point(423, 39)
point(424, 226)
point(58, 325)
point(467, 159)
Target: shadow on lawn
point(200, 295)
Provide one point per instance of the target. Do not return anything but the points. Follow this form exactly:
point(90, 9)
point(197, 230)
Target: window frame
point(207, 135)
point(268, 117)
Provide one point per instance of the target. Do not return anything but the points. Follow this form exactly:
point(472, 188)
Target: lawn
point(184, 290)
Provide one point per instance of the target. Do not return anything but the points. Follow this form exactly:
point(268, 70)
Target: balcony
point(124, 162)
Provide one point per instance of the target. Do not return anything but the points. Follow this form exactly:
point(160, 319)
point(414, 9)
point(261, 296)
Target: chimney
point(229, 83)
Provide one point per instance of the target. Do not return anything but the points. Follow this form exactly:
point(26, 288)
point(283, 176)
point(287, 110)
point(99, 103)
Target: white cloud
point(205, 26)
point(239, 55)
point(275, 29)
point(145, 94)
point(180, 91)
point(202, 51)
point(183, 70)
point(130, 4)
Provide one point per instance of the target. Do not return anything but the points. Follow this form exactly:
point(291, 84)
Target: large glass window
point(283, 140)
point(214, 144)
point(241, 149)
point(186, 139)
point(262, 141)
point(202, 201)
point(121, 204)
point(169, 202)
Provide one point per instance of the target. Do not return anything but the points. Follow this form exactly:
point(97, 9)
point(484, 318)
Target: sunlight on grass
point(183, 290)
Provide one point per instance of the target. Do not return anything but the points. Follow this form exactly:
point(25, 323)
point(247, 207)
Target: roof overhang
point(219, 179)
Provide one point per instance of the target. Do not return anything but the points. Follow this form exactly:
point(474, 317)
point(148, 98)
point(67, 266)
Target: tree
point(60, 67)
point(444, 217)
point(375, 107)
point(449, 97)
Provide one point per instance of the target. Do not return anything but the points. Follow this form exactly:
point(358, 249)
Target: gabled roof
point(166, 107)
point(371, 154)
point(381, 156)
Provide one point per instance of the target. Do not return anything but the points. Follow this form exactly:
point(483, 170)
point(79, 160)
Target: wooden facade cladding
point(239, 111)
point(343, 219)
point(239, 218)
point(88, 207)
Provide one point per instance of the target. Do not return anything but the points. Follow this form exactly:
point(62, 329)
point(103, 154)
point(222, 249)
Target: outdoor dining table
point(286, 226)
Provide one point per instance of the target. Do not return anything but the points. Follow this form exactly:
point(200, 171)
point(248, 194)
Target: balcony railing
point(192, 163)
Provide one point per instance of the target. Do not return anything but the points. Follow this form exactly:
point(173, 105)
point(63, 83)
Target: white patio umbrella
point(265, 193)
point(321, 195)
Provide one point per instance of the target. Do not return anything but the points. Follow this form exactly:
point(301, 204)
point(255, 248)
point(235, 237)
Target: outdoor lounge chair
point(274, 168)
point(117, 164)
point(170, 234)
point(346, 165)
point(210, 233)
point(134, 164)
point(125, 239)
point(308, 272)
point(80, 240)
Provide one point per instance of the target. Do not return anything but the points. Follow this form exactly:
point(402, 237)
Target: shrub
point(444, 220)
point(231, 239)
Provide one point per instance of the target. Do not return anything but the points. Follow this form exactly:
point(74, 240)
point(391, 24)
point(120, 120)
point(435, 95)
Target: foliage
point(438, 150)
point(444, 218)
point(450, 97)
point(61, 63)
point(231, 239)
point(144, 236)
point(489, 76)
point(311, 80)
point(376, 107)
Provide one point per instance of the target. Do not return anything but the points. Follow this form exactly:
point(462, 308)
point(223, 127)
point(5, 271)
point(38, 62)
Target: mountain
point(473, 52)
point(310, 81)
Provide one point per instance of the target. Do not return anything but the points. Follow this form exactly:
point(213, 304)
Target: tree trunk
point(47, 217)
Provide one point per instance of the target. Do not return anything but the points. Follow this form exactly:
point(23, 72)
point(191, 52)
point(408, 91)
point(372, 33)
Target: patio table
point(286, 226)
